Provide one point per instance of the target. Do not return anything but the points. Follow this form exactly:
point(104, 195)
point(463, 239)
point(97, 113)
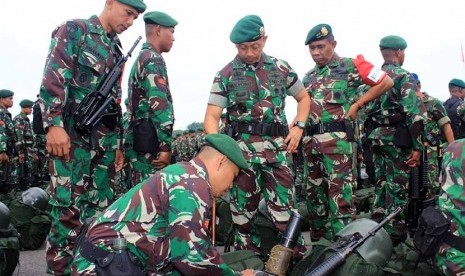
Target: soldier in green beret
point(395, 128)
point(81, 54)
point(330, 143)
point(151, 101)
point(174, 240)
point(253, 88)
point(27, 154)
point(8, 150)
point(455, 107)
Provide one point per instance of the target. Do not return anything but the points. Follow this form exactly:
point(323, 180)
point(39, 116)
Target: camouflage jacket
point(399, 105)
point(150, 96)
point(333, 89)
point(436, 119)
point(24, 135)
point(80, 57)
point(455, 108)
point(164, 219)
point(256, 94)
point(7, 134)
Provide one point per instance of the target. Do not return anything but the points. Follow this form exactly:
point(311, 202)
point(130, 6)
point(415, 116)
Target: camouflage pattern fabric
point(42, 173)
point(455, 107)
point(257, 94)
point(25, 145)
point(450, 260)
point(123, 181)
point(8, 180)
point(187, 147)
point(150, 98)
point(81, 54)
point(398, 106)
point(330, 157)
point(176, 149)
point(164, 220)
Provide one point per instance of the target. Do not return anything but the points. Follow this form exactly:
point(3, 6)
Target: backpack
point(32, 224)
point(37, 124)
point(9, 251)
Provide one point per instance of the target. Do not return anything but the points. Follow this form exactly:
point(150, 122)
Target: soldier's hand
point(35, 157)
point(21, 158)
point(293, 138)
point(4, 157)
point(248, 272)
point(163, 160)
point(58, 142)
point(119, 160)
point(413, 159)
point(353, 110)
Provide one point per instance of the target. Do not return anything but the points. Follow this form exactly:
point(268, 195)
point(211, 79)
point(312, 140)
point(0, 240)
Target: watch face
point(300, 124)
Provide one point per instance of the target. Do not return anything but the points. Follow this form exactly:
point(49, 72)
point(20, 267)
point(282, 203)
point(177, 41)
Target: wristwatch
point(300, 124)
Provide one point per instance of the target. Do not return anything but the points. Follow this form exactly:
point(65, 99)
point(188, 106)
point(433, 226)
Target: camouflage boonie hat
point(247, 29)
point(319, 32)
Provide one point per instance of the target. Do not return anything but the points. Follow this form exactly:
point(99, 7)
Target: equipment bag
point(433, 228)
point(145, 137)
point(9, 251)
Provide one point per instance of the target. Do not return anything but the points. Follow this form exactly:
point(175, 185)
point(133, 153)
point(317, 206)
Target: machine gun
point(419, 194)
point(95, 105)
point(337, 259)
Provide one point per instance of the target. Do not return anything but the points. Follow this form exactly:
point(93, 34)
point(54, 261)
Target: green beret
point(126, 102)
point(392, 42)
point(159, 18)
point(178, 134)
point(247, 29)
point(136, 4)
point(5, 93)
point(227, 146)
point(185, 132)
point(200, 129)
point(319, 32)
point(457, 82)
point(26, 103)
point(191, 130)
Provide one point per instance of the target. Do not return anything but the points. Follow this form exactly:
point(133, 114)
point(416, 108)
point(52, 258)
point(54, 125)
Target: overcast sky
point(434, 32)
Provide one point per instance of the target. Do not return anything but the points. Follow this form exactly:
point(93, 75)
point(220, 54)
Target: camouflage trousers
point(42, 163)
point(141, 165)
point(391, 189)
point(433, 168)
point(79, 189)
point(450, 261)
point(273, 181)
point(330, 202)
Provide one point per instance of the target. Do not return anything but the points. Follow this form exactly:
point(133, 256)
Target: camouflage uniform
point(255, 96)
point(42, 174)
point(398, 107)
point(330, 154)
point(25, 145)
point(150, 98)
point(436, 119)
point(450, 260)
point(123, 180)
point(81, 55)
point(176, 149)
point(8, 182)
point(455, 107)
point(164, 220)
point(186, 148)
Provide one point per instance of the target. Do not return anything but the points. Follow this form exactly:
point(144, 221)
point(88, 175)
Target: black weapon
point(419, 197)
point(90, 110)
point(338, 258)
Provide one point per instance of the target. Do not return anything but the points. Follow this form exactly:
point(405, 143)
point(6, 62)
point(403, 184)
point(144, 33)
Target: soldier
point(455, 107)
point(222, 123)
point(148, 140)
point(126, 173)
point(83, 167)
point(438, 131)
point(449, 259)
point(8, 151)
point(394, 128)
point(253, 88)
point(330, 141)
point(184, 147)
point(27, 154)
point(165, 219)
point(40, 137)
point(176, 147)
point(199, 138)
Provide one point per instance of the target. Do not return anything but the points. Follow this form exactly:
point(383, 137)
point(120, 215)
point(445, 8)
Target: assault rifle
point(419, 194)
point(93, 107)
point(333, 262)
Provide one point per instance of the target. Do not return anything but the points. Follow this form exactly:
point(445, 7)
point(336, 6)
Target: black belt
point(89, 251)
point(321, 128)
point(261, 129)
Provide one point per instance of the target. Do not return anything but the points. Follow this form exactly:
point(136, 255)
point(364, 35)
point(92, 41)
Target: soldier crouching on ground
point(164, 219)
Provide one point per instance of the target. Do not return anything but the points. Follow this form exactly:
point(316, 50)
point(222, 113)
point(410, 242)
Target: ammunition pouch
point(145, 137)
point(402, 137)
point(259, 129)
point(433, 140)
point(346, 126)
point(110, 263)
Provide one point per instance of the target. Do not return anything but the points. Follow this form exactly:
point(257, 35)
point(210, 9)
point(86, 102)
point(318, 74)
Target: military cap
point(394, 42)
point(185, 132)
point(5, 93)
point(139, 5)
point(200, 129)
point(227, 146)
point(26, 103)
point(179, 134)
point(319, 32)
point(159, 18)
point(248, 28)
point(457, 82)
point(191, 130)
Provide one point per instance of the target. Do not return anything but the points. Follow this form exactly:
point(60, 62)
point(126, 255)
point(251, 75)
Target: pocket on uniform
point(336, 96)
point(60, 182)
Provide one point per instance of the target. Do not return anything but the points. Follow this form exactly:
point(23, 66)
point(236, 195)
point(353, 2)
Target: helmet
point(4, 217)
point(376, 249)
point(35, 197)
